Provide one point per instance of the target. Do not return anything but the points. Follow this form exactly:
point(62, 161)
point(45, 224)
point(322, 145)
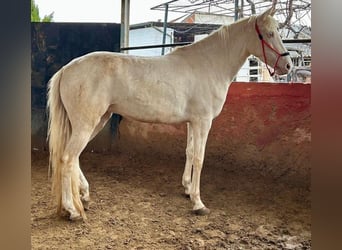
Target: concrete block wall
point(263, 126)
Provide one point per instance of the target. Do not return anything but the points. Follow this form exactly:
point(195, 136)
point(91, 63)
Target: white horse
point(188, 85)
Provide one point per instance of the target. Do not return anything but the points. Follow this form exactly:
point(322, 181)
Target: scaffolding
point(294, 17)
point(289, 12)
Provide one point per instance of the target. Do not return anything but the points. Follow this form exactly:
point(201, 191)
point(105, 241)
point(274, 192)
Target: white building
point(150, 35)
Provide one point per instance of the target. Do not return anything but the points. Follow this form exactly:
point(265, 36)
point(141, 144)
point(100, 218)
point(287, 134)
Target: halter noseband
point(263, 43)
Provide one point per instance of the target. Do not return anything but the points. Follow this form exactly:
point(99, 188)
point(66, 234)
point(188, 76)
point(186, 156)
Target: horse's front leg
point(201, 129)
point(186, 180)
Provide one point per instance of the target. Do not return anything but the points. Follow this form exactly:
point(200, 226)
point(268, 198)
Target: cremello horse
point(188, 85)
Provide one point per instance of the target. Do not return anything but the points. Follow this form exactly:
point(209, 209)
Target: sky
point(107, 11)
point(101, 10)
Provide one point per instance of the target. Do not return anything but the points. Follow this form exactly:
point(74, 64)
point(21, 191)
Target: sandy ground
point(138, 203)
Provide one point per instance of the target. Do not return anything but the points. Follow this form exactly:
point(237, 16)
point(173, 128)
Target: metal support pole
point(165, 27)
point(122, 26)
point(124, 36)
point(241, 11)
point(252, 6)
point(236, 10)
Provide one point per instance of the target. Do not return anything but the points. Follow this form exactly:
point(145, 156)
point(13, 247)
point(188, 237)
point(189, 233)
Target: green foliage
point(35, 14)
point(48, 18)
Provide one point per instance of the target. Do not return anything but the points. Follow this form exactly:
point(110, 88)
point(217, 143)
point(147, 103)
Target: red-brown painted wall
point(263, 126)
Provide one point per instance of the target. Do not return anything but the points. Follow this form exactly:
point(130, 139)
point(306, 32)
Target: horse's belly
point(152, 111)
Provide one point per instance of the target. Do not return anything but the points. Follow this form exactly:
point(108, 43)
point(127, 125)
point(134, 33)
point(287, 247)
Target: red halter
point(263, 43)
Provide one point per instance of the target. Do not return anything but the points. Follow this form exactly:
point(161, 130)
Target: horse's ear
point(273, 10)
point(270, 12)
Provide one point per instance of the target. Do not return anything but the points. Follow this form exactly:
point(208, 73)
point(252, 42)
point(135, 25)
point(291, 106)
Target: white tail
point(59, 131)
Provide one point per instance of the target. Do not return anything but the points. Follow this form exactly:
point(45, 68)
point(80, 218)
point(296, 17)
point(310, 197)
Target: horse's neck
point(234, 51)
point(225, 49)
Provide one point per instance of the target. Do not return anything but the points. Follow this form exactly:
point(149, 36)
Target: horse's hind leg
point(84, 185)
point(71, 173)
point(104, 119)
point(84, 189)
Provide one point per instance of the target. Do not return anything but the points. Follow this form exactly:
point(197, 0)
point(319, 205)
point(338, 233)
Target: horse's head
point(268, 45)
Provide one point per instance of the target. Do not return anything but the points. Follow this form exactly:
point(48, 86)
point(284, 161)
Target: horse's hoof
point(85, 205)
point(75, 217)
point(202, 211)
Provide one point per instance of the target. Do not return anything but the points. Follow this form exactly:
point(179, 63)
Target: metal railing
point(187, 43)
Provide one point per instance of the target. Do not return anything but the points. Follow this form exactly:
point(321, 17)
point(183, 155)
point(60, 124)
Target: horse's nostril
point(288, 66)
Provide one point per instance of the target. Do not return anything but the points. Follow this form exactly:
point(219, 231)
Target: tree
point(35, 14)
point(48, 18)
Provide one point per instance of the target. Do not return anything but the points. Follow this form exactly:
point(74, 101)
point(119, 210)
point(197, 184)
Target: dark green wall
point(54, 45)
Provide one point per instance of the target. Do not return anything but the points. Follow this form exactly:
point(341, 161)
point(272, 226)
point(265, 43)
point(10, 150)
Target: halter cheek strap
point(263, 43)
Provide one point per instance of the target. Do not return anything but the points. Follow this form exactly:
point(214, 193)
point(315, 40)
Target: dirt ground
point(138, 203)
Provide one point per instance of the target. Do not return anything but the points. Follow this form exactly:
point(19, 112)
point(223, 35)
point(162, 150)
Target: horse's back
point(154, 89)
point(138, 87)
